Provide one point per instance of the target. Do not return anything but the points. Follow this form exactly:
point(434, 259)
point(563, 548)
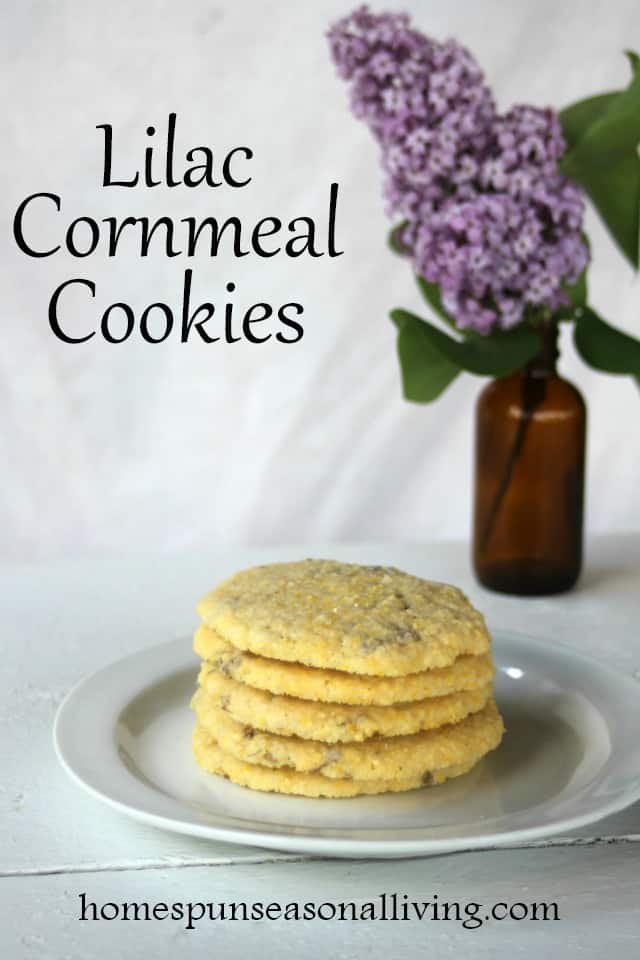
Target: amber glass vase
point(529, 478)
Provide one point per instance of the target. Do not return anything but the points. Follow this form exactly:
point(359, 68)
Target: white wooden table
point(63, 620)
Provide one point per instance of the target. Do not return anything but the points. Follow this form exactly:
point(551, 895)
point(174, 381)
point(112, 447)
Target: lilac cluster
point(489, 217)
point(426, 103)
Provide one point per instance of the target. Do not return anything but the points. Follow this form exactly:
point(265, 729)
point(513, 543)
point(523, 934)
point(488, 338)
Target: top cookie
point(360, 619)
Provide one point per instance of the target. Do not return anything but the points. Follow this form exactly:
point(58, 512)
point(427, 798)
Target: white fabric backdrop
point(172, 446)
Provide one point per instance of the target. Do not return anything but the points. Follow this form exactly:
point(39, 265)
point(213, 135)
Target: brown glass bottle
point(529, 479)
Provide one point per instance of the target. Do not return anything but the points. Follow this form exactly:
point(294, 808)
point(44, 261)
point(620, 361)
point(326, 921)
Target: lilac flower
point(489, 217)
point(426, 103)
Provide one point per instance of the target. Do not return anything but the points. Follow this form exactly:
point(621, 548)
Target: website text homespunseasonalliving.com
point(385, 906)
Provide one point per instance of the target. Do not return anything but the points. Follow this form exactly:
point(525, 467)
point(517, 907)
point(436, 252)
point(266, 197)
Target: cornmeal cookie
point(467, 672)
point(343, 616)
point(211, 758)
point(393, 758)
point(334, 722)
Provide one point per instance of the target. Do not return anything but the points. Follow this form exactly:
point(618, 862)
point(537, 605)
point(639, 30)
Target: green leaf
point(603, 134)
point(393, 241)
point(431, 294)
point(494, 355)
point(605, 348)
point(578, 117)
point(634, 60)
point(578, 291)
point(426, 372)
point(577, 295)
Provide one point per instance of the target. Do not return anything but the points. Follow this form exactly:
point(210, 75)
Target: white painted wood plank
point(62, 621)
point(596, 891)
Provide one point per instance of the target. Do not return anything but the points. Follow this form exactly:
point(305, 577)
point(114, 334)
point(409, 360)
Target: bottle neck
point(543, 364)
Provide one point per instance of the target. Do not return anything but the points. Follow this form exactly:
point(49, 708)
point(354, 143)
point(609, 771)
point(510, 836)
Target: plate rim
point(305, 840)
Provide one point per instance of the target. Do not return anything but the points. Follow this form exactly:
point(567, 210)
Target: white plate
point(571, 755)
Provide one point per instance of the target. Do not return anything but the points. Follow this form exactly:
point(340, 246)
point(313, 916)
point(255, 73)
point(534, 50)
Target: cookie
point(213, 759)
point(344, 616)
point(467, 672)
point(392, 758)
point(335, 722)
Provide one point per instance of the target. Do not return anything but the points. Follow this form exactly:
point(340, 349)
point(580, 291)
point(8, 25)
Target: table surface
point(63, 620)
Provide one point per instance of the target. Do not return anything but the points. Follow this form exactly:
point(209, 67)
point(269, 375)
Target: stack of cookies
point(327, 679)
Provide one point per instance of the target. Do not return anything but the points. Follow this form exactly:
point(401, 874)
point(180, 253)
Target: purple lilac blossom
point(489, 217)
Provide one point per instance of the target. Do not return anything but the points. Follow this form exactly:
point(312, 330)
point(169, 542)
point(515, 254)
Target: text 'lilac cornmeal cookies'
point(329, 679)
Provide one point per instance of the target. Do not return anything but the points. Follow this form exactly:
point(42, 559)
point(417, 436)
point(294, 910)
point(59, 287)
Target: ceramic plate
point(571, 755)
